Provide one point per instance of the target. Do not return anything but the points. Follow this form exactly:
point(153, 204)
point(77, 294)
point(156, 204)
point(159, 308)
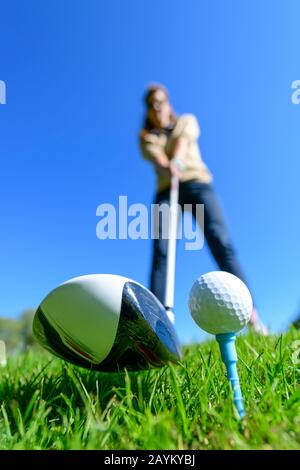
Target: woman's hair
point(151, 89)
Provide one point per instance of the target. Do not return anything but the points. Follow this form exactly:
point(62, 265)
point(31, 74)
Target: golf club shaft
point(229, 357)
point(171, 253)
point(2, 354)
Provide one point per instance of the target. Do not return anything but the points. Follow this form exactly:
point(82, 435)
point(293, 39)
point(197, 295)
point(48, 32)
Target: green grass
point(49, 404)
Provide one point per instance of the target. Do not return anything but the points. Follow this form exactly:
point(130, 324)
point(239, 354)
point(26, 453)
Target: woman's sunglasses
point(156, 104)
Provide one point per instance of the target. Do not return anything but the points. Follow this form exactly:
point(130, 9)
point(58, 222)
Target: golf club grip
point(172, 238)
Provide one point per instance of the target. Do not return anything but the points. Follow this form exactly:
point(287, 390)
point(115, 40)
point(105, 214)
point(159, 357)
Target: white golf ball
point(220, 302)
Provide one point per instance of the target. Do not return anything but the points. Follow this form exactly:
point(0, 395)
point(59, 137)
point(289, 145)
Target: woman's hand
point(168, 168)
point(175, 169)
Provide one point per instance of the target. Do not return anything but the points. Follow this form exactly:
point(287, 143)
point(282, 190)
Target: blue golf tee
point(229, 357)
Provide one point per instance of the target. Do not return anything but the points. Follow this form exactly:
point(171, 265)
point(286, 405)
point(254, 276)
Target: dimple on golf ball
point(220, 302)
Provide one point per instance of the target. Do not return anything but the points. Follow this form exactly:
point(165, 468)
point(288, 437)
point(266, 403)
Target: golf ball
point(220, 302)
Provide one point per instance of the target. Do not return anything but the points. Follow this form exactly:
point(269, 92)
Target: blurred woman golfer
point(170, 143)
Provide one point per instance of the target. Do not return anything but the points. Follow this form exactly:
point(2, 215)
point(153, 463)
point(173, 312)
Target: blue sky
point(75, 73)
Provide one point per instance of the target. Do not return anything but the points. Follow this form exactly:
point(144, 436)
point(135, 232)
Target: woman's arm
point(176, 165)
point(180, 152)
point(181, 147)
point(157, 156)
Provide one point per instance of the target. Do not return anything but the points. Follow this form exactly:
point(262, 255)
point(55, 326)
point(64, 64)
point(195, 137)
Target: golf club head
point(106, 322)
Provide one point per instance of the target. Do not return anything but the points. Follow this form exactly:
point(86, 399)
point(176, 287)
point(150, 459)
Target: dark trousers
point(215, 232)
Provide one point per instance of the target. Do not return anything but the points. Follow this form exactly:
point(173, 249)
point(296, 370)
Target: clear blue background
point(75, 72)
